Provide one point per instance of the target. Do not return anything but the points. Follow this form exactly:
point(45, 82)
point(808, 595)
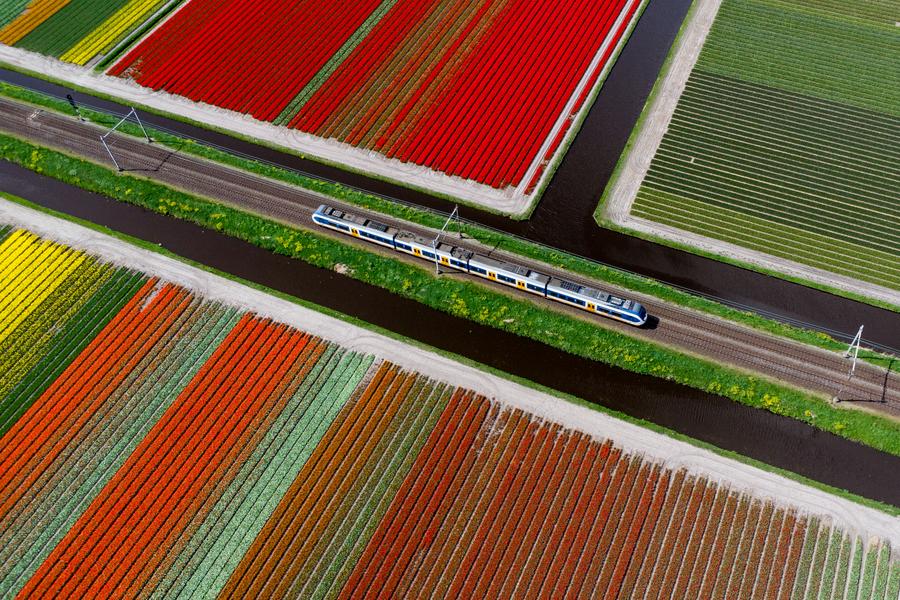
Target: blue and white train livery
point(454, 257)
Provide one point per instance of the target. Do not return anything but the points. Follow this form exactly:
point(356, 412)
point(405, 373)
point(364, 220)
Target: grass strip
point(467, 299)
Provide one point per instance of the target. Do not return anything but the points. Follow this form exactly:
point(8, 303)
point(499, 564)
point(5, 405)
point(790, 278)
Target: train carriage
point(510, 274)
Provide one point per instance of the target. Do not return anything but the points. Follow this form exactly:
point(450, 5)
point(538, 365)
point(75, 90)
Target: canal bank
point(778, 441)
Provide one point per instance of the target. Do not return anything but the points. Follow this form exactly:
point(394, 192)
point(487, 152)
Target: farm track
point(683, 329)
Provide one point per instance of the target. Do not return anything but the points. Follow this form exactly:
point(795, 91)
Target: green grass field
point(787, 137)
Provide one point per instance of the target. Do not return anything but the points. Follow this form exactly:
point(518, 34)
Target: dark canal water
point(779, 441)
point(563, 219)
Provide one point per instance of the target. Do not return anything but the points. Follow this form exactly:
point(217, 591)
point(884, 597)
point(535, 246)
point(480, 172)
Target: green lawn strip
point(5, 230)
point(67, 26)
point(10, 10)
point(473, 301)
point(868, 574)
point(806, 556)
point(649, 425)
point(817, 563)
point(68, 343)
point(28, 342)
point(805, 53)
point(329, 585)
point(893, 590)
point(883, 573)
point(826, 576)
point(94, 463)
point(883, 12)
point(359, 495)
point(334, 62)
point(842, 569)
point(240, 514)
point(551, 256)
point(670, 206)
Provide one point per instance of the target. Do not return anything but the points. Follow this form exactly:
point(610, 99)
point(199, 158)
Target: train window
point(404, 246)
point(477, 270)
point(535, 288)
point(457, 263)
point(505, 278)
point(428, 254)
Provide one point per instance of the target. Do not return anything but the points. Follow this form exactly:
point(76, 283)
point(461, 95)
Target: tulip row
point(75, 31)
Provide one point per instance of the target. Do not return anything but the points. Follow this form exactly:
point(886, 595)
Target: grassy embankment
point(466, 299)
point(551, 256)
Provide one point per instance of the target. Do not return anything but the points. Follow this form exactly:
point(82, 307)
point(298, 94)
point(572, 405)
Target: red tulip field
point(154, 442)
point(484, 91)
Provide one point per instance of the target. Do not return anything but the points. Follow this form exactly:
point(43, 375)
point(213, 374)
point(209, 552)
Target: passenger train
point(454, 257)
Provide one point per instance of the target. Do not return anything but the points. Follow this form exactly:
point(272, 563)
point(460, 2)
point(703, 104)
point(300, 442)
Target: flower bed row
point(166, 445)
point(472, 90)
point(75, 31)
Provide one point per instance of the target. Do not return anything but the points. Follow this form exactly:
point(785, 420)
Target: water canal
point(779, 441)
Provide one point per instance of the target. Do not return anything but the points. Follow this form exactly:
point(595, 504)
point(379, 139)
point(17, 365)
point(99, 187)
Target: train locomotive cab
point(368, 229)
point(597, 301)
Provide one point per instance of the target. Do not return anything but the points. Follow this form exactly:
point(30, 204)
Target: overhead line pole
point(103, 137)
point(437, 239)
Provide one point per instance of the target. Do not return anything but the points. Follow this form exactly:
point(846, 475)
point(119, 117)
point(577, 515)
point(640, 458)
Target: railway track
point(686, 330)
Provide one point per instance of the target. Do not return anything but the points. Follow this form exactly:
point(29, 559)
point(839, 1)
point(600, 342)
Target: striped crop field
point(75, 31)
point(159, 444)
point(484, 91)
point(786, 139)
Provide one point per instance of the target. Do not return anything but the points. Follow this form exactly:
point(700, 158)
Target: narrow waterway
point(779, 441)
point(564, 217)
